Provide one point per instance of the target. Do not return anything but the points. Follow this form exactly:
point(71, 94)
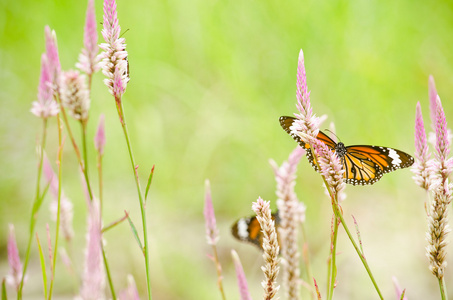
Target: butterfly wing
point(366, 164)
point(248, 229)
point(287, 125)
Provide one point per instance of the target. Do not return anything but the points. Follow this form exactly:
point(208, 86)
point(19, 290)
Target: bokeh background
point(209, 80)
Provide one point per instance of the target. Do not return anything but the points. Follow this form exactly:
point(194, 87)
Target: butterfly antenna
point(124, 32)
point(333, 134)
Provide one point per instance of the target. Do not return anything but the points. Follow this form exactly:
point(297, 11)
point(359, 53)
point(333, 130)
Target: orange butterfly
point(363, 164)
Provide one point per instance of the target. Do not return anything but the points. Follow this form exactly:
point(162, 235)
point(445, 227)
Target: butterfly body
point(363, 164)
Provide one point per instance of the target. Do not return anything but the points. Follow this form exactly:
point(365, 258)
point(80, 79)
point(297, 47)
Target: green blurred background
point(209, 80)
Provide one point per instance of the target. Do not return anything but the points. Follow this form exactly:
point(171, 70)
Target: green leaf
point(134, 231)
point(4, 297)
point(150, 178)
point(43, 266)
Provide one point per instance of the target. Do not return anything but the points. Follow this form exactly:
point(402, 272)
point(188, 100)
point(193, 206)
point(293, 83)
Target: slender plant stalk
point(443, 289)
point(35, 208)
point(85, 171)
point(219, 271)
point(85, 158)
point(333, 265)
point(101, 194)
point(57, 230)
point(121, 115)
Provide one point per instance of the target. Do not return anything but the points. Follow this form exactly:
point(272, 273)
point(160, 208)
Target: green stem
point(57, 230)
point(443, 290)
point(219, 272)
point(333, 266)
point(85, 158)
point(362, 258)
point(107, 271)
point(121, 115)
point(35, 208)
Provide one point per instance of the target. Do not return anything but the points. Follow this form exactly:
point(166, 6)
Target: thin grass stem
point(57, 229)
point(443, 289)
point(140, 197)
point(35, 208)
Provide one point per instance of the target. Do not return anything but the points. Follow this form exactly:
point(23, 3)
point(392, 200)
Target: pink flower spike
point(52, 56)
point(45, 106)
point(99, 138)
point(131, 293)
point(330, 167)
point(212, 233)
point(242, 281)
point(93, 279)
point(306, 121)
point(432, 100)
point(422, 165)
point(88, 58)
point(15, 274)
point(442, 142)
point(114, 58)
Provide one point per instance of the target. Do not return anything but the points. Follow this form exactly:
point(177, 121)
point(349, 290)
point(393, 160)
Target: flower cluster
point(291, 212)
point(270, 247)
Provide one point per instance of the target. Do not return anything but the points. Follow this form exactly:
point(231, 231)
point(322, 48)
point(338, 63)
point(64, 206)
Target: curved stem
point(140, 197)
point(85, 158)
point(57, 230)
point(35, 208)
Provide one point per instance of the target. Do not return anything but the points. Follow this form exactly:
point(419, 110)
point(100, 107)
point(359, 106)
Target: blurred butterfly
point(248, 229)
point(363, 164)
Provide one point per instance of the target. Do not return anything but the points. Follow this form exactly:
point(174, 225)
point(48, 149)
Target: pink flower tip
point(242, 281)
point(88, 59)
point(52, 55)
point(45, 106)
point(15, 275)
point(212, 233)
point(99, 138)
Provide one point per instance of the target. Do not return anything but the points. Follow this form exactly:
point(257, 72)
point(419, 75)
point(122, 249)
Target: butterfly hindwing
point(248, 229)
point(363, 164)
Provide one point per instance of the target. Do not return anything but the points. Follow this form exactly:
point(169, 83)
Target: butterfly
point(248, 229)
point(363, 164)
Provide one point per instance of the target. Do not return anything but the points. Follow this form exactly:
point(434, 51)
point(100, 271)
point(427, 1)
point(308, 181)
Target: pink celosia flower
point(242, 281)
point(442, 141)
point(306, 121)
point(15, 274)
point(212, 233)
point(330, 167)
point(131, 292)
point(75, 95)
point(99, 138)
point(66, 206)
point(438, 227)
point(289, 210)
point(93, 280)
point(52, 56)
point(114, 58)
point(45, 106)
point(422, 165)
point(88, 58)
point(270, 247)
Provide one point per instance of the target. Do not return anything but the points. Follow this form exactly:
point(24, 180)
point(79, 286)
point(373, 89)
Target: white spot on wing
point(396, 158)
point(243, 229)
